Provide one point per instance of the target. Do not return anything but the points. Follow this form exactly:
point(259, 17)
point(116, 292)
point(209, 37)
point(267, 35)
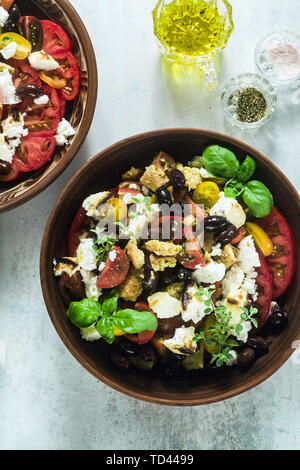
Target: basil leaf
point(84, 313)
point(132, 321)
point(109, 306)
point(258, 198)
point(220, 161)
point(246, 170)
point(233, 188)
point(105, 327)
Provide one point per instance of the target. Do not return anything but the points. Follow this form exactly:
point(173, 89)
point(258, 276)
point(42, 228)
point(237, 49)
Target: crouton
point(163, 248)
point(136, 256)
point(132, 175)
point(154, 178)
point(132, 287)
point(229, 255)
point(192, 176)
point(160, 263)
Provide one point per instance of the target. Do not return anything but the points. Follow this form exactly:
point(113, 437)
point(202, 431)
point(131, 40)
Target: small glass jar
point(277, 57)
point(231, 93)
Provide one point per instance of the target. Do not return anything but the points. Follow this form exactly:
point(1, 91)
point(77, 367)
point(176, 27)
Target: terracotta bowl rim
point(93, 370)
point(91, 101)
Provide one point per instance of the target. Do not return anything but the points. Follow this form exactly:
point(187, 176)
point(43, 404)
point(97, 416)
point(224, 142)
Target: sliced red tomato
point(67, 78)
point(164, 161)
point(76, 231)
point(240, 235)
point(24, 73)
point(9, 172)
point(282, 262)
point(144, 336)
point(115, 270)
point(55, 38)
point(124, 188)
point(191, 258)
point(62, 108)
point(264, 287)
point(34, 152)
point(6, 4)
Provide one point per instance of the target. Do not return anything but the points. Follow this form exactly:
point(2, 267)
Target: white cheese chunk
point(164, 305)
point(248, 257)
point(6, 151)
point(90, 334)
point(9, 51)
point(233, 280)
point(193, 308)
point(182, 342)
point(40, 60)
point(10, 138)
point(210, 273)
point(243, 335)
point(44, 99)
point(90, 284)
point(86, 255)
point(216, 250)
point(64, 132)
point(7, 89)
point(3, 16)
point(230, 209)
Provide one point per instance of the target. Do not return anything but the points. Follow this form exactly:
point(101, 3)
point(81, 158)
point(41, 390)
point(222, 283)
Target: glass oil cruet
point(192, 32)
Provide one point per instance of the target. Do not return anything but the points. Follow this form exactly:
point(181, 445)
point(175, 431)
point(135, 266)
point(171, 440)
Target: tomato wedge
point(144, 336)
point(240, 235)
point(115, 270)
point(6, 4)
point(34, 152)
point(75, 231)
point(191, 258)
point(164, 161)
point(9, 172)
point(24, 73)
point(55, 38)
point(264, 284)
point(67, 78)
point(282, 262)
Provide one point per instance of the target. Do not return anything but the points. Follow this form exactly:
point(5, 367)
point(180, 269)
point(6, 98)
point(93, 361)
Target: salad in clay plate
point(181, 267)
point(38, 76)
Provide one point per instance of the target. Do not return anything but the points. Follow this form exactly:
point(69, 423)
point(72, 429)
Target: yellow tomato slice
point(53, 80)
point(260, 237)
point(206, 193)
point(23, 46)
point(120, 208)
point(118, 332)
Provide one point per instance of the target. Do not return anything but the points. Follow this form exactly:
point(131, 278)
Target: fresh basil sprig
point(221, 162)
point(105, 316)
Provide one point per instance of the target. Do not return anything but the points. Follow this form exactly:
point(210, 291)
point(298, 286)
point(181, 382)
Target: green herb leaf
point(197, 162)
point(105, 327)
point(220, 161)
point(246, 170)
point(84, 313)
point(258, 198)
point(109, 305)
point(233, 188)
point(132, 321)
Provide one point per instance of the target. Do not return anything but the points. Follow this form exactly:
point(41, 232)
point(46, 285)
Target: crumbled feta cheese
point(64, 131)
point(6, 151)
point(248, 257)
point(112, 255)
point(164, 305)
point(210, 273)
point(90, 284)
point(42, 61)
point(101, 266)
point(44, 99)
point(86, 254)
point(90, 334)
point(243, 335)
point(3, 16)
point(10, 138)
point(7, 89)
point(9, 51)
point(229, 208)
point(193, 308)
point(205, 174)
point(232, 361)
point(182, 342)
point(216, 250)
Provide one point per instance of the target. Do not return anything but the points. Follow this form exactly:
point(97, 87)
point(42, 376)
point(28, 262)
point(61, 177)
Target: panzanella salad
point(38, 75)
point(178, 266)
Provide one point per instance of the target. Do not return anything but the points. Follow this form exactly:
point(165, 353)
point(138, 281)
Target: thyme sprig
point(103, 243)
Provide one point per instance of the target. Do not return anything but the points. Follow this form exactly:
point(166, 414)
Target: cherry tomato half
point(260, 237)
point(76, 231)
point(34, 152)
point(23, 49)
point(191, 258)
point(6, 4)
point(164, 161)
point(206, 193)
point(264, 284)
point(144, 336)
point(282, 262)
point(124, 188)
point(240, 235)
point(115, 270)
point(55, 38)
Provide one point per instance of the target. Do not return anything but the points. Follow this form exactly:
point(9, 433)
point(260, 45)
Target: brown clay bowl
point(79, 112)
point(103, 172)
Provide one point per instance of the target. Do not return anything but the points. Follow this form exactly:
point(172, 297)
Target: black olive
point(11, 27)
point(163, 196)
point(120, 362)
point(29, 90)
point(184, 274)
point(214, 222)
point(14, 12)
point(258, 343)
point(126, 346)
point(277, 321)
point(150, 281)
point(226, 235)
point(246, 357)
point(177, 178)
point(169, 276)
point(167, 326)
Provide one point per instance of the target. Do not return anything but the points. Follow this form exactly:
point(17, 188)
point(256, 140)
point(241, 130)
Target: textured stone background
point(47, 400)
